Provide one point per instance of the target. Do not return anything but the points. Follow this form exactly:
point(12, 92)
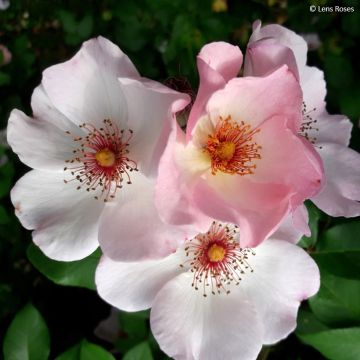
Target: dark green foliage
point(162, 38)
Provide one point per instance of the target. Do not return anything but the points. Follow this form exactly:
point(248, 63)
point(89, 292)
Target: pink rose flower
point(211, 298)
point(269, 48)
point(242, 159)
point(95, 138)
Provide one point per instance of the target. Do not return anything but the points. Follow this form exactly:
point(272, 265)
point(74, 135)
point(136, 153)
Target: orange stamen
point(232, 148)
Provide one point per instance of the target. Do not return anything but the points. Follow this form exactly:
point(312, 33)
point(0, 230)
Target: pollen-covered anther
point(101, 163)
point(216, 259)
point(308, 124)
point(232, 148)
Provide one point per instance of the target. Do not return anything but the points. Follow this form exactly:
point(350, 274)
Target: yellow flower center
point(232, 148)
point(105, 158)
point(225, 151)
point(216, 260)
point(216, 253)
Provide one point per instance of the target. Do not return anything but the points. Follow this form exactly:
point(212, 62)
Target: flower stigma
point(216, 253)
point(105, 158)
point(101, 161)
point(232, 148)
point(216, 259)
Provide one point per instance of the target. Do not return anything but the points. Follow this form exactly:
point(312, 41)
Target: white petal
point(151, 109)
point(284, 275)
point(327, 128)
point(133, 286)
point(85, 88)
point(45, 110)
point(65, 220)
point(130, 226)
point(314, 88)
point(38, 143)
point(188, 326)
point(331, 128)
point(341, 193)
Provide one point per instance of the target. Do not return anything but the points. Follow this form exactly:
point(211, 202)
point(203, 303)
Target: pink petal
point(224, 58)
point(65, 220)
point(293, 227)
point(265, 56)
point(341, 193)
point(287, 158)
point(257, 208)
point(282, 36)
point(301, 220)
point(217, 63)
point(188, 326)
point(133, 286)
point(256, 99)
point(171, 180)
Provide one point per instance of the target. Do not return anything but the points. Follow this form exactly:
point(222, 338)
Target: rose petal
point(133, 286)
point(130, 227)
point(283, 36)
point(279, 94)
point(151, 128)
point(38, 143)
point(217, 63)
point(283, 276)
point(85, 88)
point(341, 193)
point(204, 328)
point(65, 220)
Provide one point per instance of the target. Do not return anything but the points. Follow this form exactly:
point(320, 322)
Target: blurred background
point(56, 310)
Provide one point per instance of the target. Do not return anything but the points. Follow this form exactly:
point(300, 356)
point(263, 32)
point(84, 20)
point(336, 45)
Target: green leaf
point(335, 65)
point(141, 351)
point(348, 102)
point(338, 250)
point(75, 273)
point(338, 301)
point(4, 217)
point(68, 21)
point(85, 27)
point(337, 344)
point(27, 337)
point(134, 324)
point(308, 323)
point(6, 173)
point(341, 237)
point(134, 329)
point(5, 79)
point(86, 351)
point(9, 302)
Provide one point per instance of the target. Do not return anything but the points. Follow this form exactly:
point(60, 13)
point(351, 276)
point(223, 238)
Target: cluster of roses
point(201, 226)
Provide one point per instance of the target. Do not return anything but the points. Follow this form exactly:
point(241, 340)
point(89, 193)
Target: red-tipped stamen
point(101, 162)
point(216, 259)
